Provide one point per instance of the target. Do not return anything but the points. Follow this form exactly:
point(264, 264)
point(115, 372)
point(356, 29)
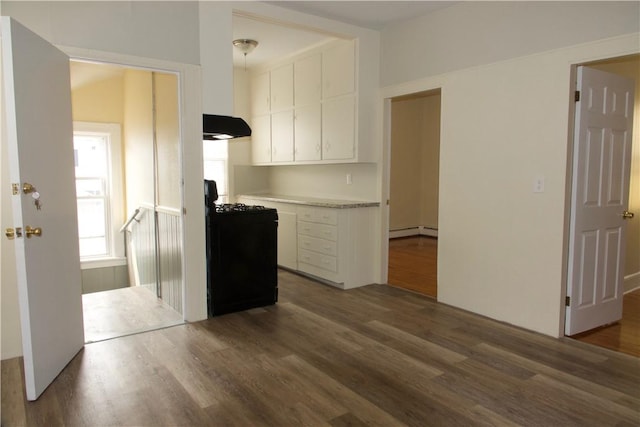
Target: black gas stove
point(241, 255)
point(237, 207)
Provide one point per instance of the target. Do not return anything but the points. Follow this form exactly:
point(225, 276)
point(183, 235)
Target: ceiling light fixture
point(245, 46)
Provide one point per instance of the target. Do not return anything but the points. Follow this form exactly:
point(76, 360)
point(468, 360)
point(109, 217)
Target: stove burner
point(237, 207)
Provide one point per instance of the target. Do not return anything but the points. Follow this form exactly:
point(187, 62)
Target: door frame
point(190, 111)
point(573, 78)
point(387, 184)
point(384, 178)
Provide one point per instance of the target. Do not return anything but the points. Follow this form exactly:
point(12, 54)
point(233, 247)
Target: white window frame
point(115, 191)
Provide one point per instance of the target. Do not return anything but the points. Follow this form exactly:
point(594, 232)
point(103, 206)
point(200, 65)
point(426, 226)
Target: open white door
point(599, 201)
point(37, 104)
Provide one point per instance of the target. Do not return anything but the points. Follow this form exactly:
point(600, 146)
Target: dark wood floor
point(413, 264)
point(375, 355)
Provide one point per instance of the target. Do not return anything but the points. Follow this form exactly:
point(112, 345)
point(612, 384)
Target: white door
point(600, 196)
point(37, 104)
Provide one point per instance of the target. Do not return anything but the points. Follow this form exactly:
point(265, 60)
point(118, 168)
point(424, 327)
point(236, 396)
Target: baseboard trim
point(413, 231)
point(631, 282)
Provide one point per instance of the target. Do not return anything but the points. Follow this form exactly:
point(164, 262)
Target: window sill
point(88, 264)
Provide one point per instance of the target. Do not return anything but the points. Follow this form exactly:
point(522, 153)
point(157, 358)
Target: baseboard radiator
point(413, 231)
point(165, 270)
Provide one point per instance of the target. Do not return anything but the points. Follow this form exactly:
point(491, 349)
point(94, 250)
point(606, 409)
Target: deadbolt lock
point(12, 233)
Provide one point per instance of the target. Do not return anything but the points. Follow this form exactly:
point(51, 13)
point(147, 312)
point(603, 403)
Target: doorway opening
point(624, 335)
point(128, 186)
point(413, 192)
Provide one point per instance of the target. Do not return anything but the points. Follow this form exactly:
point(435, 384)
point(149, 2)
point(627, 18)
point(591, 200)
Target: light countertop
point(312, 201)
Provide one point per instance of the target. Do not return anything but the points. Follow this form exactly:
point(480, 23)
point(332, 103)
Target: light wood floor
point(622, 336)
point(375, 355)
point(413, 264)
point(124, 311)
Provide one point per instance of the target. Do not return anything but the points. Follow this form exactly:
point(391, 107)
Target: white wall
point(161, 30)
point(502, 247)
point(216, 57)
point(147, 34)
point(477, 32)
point(10, 333)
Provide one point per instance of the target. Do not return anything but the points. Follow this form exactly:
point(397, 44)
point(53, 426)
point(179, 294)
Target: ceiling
point(369, 14)
point(275, 40)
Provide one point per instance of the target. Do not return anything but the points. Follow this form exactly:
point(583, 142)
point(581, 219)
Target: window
point(215, 155)
point(98, 190)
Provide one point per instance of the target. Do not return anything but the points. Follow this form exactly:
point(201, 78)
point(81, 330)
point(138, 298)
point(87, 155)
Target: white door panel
point(601, 168)
point(37, 104)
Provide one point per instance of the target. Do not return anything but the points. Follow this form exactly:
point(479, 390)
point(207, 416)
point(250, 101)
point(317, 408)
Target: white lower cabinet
point(334, 245)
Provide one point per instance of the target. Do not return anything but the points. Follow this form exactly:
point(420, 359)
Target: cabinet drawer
point(319, 215)
point(328, 232)
point(314, 244)
point(325, 262)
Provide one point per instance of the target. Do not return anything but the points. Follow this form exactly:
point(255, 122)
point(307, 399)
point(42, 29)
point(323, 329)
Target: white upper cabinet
point(261, 139)
point(282, 88)
point(312, 102)
point(308, 80)
point(308, 132)
point(338, 69)
point(338, 128)
point(282, 136)
point(260, 94)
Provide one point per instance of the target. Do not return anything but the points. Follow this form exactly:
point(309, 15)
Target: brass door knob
point(627, 215)
point(28, 188)
point(30, 231)
point(10, 233)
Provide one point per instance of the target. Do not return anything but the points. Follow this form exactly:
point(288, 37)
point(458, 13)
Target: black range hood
point(223, 127)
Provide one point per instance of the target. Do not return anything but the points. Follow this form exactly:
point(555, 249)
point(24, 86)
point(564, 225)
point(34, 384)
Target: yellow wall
point(168, 140)
point(415, 151)
point(138, 136)
point(97, 92)
point(630, 67)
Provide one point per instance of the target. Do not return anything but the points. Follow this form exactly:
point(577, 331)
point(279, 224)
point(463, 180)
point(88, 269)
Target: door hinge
point(576, 96)
point(567, 301)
